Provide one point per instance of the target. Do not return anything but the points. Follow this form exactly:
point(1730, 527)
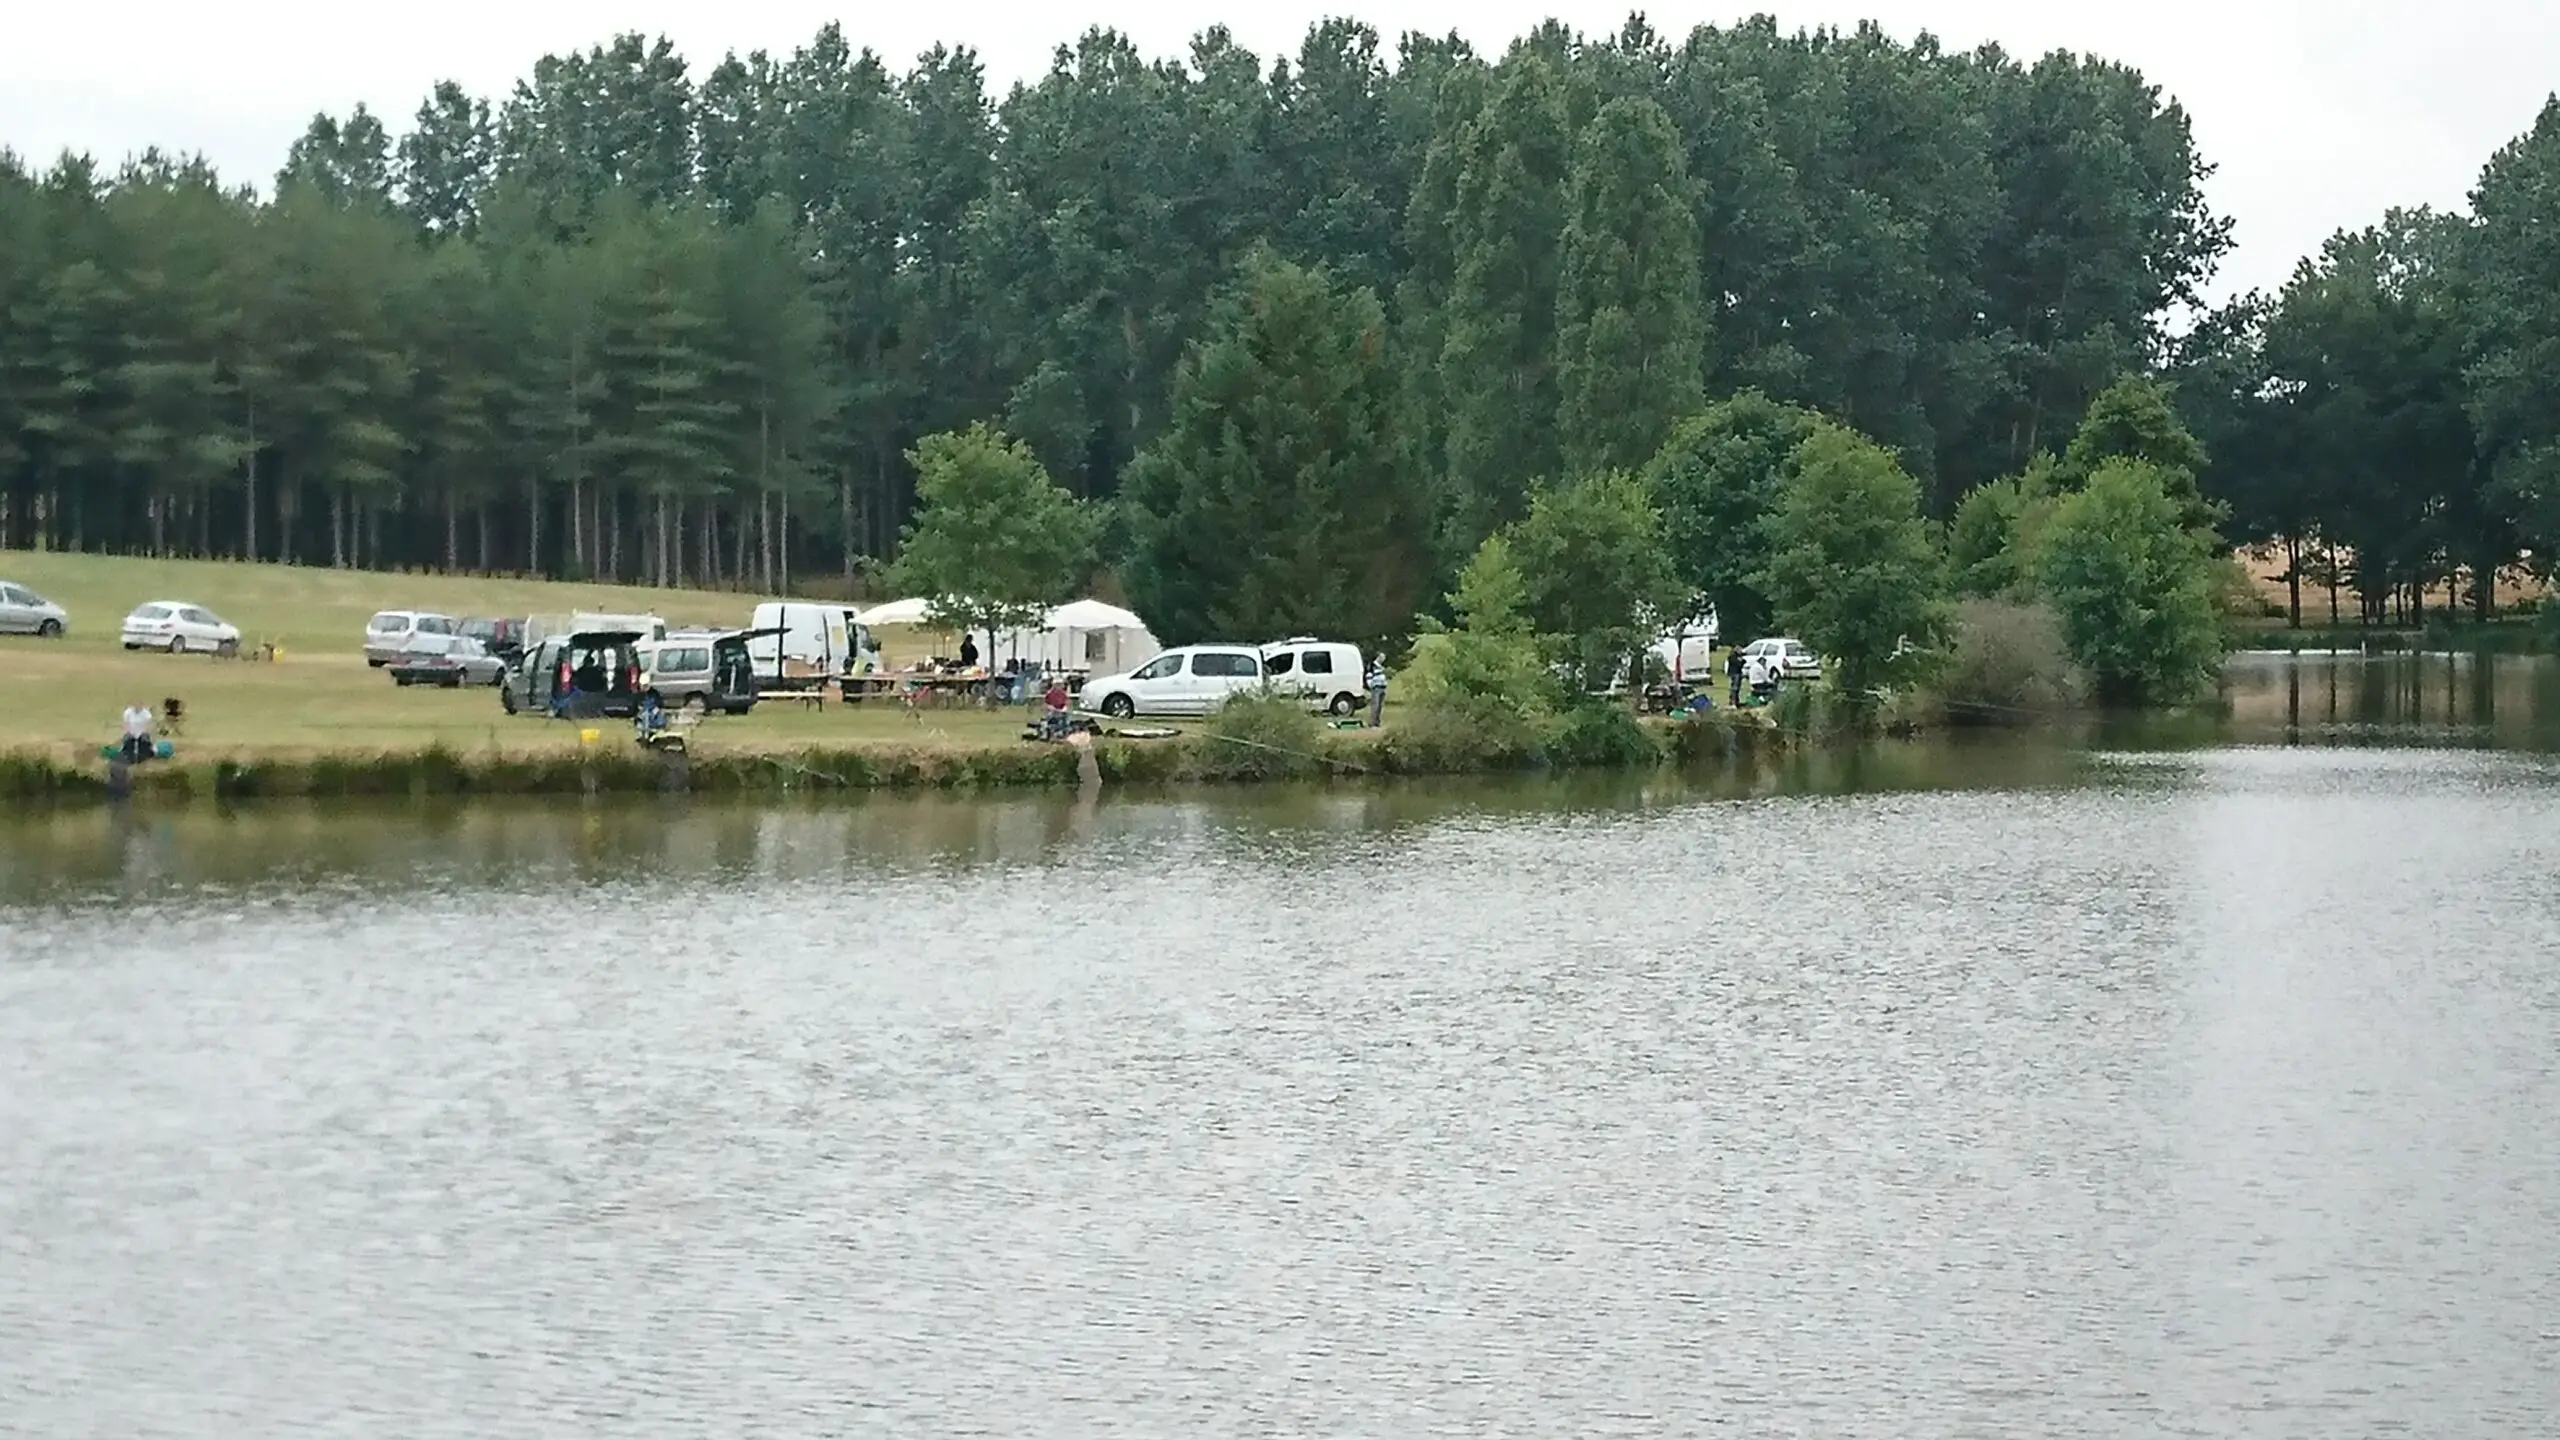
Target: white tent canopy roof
point(1093, 615)
point(896, 612)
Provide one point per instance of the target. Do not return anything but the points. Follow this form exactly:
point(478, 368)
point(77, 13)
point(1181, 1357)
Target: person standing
point(1733, 677)
point(1377, 691)
point(968, 652)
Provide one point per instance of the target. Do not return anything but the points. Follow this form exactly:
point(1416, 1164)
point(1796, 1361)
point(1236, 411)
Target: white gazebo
point(896, 612)
point(1098, 638)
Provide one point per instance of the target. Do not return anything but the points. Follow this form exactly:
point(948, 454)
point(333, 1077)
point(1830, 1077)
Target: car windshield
point(149, 612)
point(388, 620)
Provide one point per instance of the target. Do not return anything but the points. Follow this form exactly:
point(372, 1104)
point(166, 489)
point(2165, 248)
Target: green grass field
point(64, 696)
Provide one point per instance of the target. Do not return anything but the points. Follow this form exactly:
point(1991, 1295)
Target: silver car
point(463, 662)
point(24, 612)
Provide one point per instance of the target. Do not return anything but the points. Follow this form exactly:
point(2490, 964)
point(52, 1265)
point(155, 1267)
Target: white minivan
point(1186, 680)
point(405, 634)
point(1327, 674)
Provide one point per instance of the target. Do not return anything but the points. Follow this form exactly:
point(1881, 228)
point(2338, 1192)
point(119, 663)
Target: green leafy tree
point(1714, 481)
point(1629, 318)
point(1282, 497)
point(1597, 579)
point(1852, 569)
point(1486, 675)
point(2134, 587)
point(995, 541)
point(1498, 365)
point(2514, 323)
point(1992, 538)
point(2133, 419)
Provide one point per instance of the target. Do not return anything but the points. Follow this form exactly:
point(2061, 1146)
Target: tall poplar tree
point(1498, 364)
point(1628, 324)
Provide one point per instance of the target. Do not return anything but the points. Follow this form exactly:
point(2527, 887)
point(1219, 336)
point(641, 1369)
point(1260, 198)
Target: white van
point(400, 634)
point(1327, 674)
point(1187, 680)
point(818, 639)
point(545, 627)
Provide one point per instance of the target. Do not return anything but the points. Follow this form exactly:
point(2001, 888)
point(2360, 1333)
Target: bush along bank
point(1246, 744)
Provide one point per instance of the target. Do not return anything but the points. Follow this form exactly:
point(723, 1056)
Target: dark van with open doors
point(702, 670)
point(577, 676)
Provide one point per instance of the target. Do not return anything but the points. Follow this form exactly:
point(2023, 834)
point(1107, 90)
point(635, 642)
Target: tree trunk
point(844, 499)
point(664, 540)
point(249, 510)
point(2333, 587)
point(452, 533)
point(2293, 581)
point(338, 526)
point(480, 537)
point(782, 550)
point(613, 539)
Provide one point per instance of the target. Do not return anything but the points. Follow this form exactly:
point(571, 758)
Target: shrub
point(2007, 661)
point(1258, 736)
point(1597, 735)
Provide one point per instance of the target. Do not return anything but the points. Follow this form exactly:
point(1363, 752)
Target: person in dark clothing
point(968, 652)
point(1733, 677)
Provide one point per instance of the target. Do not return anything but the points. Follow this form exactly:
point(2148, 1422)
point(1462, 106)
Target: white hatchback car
point(1189, 680)
point(1796, 660)
point(177, 627)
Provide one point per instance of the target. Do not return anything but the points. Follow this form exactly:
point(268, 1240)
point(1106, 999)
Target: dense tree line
point(2390, 420)
point(636, 321)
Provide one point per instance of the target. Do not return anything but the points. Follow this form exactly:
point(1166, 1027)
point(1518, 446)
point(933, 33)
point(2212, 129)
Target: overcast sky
point(2319, 113)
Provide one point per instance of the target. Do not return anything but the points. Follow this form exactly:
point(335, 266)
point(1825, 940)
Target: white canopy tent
point(1100, 639)
point(896, 612)
point(1082, 635)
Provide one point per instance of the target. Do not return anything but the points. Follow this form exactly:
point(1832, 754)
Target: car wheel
point(1344, 704)
point(376, 664)
point(403, 681)
point(697, 705)
point(507, 698)
point(1119, 706)
point(177, 644)
point(49, 630)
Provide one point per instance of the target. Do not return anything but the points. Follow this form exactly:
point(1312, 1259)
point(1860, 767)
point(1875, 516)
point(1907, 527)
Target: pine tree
point(1282, 497)
point(1629, 322)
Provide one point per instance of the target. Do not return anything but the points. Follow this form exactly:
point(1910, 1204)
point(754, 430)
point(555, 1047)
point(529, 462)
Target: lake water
point(2000, 1088)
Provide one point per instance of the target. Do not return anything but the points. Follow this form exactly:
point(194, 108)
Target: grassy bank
point(1216, 753)
point(319, 722)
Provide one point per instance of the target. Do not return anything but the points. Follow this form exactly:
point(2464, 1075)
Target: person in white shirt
point(137, 732)
point(1760, 672)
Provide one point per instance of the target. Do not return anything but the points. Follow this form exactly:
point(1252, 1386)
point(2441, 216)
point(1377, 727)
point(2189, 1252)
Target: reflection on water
point(298, 850)
point(2510, 701)
point(1988, 1088)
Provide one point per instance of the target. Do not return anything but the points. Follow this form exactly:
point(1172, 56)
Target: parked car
point(395, 634)
point(24, 612)
point(583, 673)
point(502, 638)
point(701, 670)
point(1188, 680)
point(177, 627)
point(1325, 673)
point(465, 662)
point(1796, 660)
